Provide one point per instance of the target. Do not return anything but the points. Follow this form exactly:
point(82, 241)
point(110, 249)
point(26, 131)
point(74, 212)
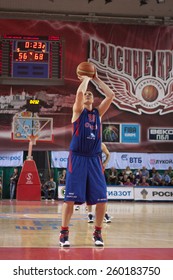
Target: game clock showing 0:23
point(32, 60)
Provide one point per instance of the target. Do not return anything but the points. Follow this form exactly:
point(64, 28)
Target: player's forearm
point(106, 162)
point(108, 92)
point(83, 86)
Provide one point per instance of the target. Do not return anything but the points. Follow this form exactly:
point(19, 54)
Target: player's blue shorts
point(85, 180)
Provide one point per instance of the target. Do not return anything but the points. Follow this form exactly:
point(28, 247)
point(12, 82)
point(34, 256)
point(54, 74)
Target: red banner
point(135, 61)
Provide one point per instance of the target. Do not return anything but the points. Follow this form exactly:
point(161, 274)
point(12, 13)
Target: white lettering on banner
point(162, 137)
point(29, 178)
point(162, 131)
point(8, 159)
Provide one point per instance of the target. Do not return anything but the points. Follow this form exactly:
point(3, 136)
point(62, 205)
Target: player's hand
point(82, 78)
point(104, 166)
point(95, 76)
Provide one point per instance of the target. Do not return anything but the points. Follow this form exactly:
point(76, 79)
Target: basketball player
point(85, 180)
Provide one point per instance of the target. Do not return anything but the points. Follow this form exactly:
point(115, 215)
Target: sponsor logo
point(161, 161)
point(144, 193)
point(111, 133)
point(130, 133)
point(91, 136)
point(124, 157)
point(34, 101)
point(63, 159)
point(29, 178)
point(60, 159)
point(131, 159)
point(63, 191)
point(160, 134)
point(121, 133)
point(119, 193)
point(10, 158)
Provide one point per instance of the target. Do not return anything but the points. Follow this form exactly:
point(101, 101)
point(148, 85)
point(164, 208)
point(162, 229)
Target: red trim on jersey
point(101, 165)
point(77, 127)
point(99, 132)
point(70, 162)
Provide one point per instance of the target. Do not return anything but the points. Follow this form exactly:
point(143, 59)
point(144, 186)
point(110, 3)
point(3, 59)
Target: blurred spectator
point(144, 182)
point(62, 177)
point(0, 187)
point(170, 172)
point(145, 172)
point(138, 177)
point(166, 178)
point(13, 182)
point(127, 182)
point(120, 179)
point(125, 177)
point(113, 176)
point(127, 171)
point(132, 178)
point(152, 172)
point(156, 180)
point(171, 182)
point(49, 189)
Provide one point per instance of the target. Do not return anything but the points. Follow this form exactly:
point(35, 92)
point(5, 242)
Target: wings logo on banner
point(141, 85)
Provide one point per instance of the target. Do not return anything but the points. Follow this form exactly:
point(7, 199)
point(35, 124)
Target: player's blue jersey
point(86, 139)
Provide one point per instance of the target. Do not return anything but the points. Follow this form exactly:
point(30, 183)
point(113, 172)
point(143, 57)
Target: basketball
point(86, 69)
point(149, 93)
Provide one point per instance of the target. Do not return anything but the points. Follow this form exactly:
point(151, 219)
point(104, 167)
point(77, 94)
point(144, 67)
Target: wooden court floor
point(139, 230)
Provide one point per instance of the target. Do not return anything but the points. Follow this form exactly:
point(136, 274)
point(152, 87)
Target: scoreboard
point(31, 60)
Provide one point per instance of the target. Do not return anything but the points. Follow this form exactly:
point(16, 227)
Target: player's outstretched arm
point(78, 105)
point(79, 99)
point(109, 95)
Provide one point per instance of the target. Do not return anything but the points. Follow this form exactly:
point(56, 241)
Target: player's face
point(88, 97)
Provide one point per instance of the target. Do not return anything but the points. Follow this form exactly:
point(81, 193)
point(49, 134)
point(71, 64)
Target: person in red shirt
point(144, 182)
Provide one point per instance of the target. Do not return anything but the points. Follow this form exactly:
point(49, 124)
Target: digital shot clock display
point(32, 60)
point(31, 51)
